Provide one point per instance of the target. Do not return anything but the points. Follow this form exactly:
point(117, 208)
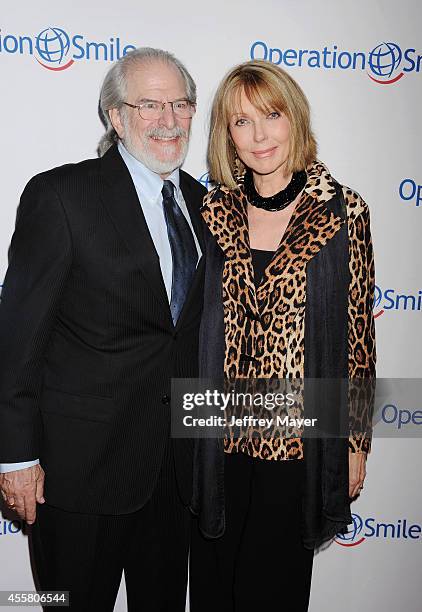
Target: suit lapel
point(122, 203)
point(225, 214)
point(193, 203)
point(193, 206)
point(311, 226)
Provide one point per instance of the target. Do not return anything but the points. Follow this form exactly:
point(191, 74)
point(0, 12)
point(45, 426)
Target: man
point(100, 309)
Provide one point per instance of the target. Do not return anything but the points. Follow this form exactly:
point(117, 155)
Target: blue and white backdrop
point(360, 63)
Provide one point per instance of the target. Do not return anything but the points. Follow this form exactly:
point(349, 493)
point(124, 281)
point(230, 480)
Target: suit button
point(165, 399)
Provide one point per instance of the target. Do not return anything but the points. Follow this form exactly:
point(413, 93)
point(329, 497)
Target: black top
point(260, 260)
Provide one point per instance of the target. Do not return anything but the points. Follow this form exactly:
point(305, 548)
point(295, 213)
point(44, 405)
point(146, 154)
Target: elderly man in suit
point(100, 309)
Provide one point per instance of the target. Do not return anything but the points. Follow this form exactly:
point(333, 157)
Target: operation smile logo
point(10, 527)
point(205, 179)
point(363, 529)
point(55, 50)
point(385, 64)
point(389, 299)
point(409, 190)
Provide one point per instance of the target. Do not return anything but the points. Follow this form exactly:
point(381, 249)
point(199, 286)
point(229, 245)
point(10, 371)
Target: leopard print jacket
point(269, 323)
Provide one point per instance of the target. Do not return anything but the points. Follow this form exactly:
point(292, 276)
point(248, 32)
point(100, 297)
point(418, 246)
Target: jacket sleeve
point(361, 328)
point(39, 262)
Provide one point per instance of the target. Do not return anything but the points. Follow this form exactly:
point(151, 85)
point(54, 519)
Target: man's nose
point(167, 118)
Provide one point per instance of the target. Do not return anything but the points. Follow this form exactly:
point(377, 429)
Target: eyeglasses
point(152, 109)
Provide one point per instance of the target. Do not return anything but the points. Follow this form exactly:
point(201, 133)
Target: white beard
point(146, 157)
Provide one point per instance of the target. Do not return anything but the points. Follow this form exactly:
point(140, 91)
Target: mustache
point(163, 132)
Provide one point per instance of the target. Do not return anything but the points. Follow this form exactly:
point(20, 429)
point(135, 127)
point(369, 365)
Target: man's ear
point(116, 121)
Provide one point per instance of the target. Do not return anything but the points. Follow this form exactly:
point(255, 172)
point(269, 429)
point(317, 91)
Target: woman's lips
point(264, 153)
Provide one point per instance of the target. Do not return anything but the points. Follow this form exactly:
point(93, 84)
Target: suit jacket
point(87, 343)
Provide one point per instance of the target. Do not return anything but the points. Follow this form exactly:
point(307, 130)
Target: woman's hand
point(357, 473)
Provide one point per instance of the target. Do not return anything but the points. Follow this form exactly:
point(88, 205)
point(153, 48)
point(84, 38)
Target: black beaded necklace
point(278, 201)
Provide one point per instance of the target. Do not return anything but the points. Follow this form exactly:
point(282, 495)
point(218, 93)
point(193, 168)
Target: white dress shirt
point(148, 186)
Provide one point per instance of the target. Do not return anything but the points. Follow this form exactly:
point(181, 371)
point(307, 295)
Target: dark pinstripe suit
point(87, 343)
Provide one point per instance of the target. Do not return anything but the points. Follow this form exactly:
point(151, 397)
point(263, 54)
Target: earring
point(238, 170)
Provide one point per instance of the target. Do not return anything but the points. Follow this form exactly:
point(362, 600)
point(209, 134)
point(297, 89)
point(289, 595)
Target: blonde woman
point(289, 290)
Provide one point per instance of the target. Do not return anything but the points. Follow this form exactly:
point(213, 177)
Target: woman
point(289, 290)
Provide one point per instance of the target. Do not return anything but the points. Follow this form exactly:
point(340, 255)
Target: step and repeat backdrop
point(360, 65)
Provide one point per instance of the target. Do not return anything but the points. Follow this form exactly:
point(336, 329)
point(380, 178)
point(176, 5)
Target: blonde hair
point(268, 88)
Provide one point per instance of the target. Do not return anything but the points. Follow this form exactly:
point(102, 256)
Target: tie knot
point(168, 189)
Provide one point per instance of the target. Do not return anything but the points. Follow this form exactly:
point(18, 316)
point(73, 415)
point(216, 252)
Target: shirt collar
point(147, 183)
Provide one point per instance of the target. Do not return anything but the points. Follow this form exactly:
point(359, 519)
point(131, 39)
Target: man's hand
point(357, 473)
point(22, 489)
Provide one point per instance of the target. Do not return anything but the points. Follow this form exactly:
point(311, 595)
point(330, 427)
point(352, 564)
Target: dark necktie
point(183, 250)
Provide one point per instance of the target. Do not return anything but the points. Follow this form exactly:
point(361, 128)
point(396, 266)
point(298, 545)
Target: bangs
point(263, 95)
point(267, 88)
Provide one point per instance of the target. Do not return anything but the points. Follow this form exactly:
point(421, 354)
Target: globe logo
point(378, 295)
point(205, 180)
point(353, 531)
point(52, 45)
point(383, 60)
